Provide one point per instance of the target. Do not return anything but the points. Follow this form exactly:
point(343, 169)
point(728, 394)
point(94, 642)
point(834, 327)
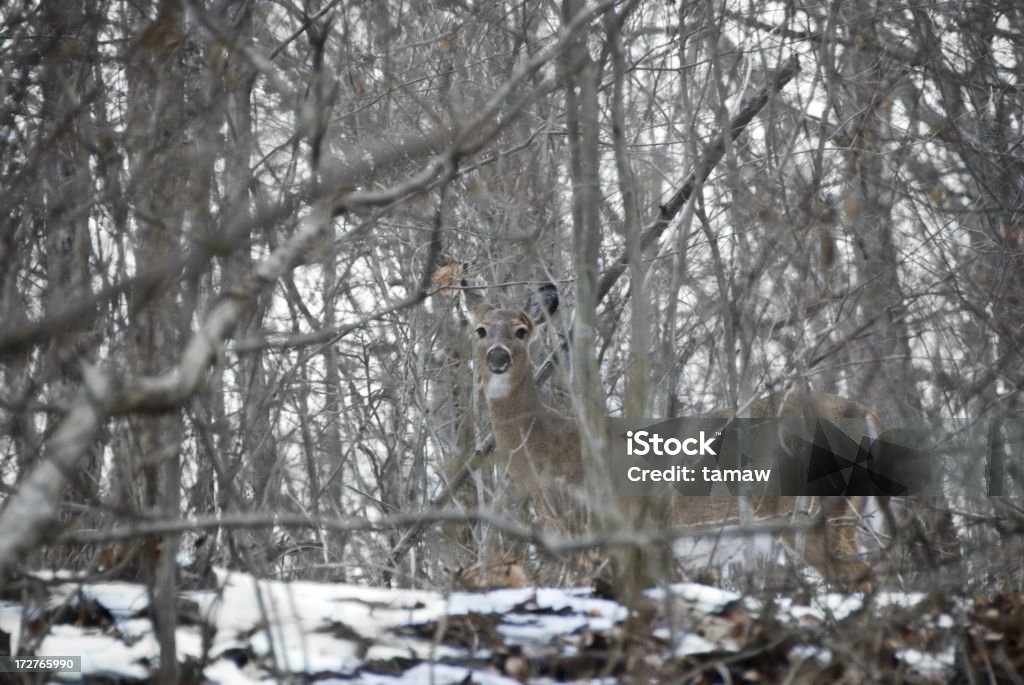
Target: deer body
point(543, 453)
point(541, 447)
point(540, 443)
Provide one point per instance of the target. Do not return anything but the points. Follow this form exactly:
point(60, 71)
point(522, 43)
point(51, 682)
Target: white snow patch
point(101, 654)
point(438, 674)
point(905, 600)
point(807, 652)
point(705, 599)
point(691, 643)
point(927, 664)
point(226, 672)
point(520, 628)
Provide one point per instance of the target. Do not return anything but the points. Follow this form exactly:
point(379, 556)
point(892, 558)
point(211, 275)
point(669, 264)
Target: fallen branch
point(549, 544)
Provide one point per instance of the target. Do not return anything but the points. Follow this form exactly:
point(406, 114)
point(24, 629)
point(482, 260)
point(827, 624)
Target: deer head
point(502, 338)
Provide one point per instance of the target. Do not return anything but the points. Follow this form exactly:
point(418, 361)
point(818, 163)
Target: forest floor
point(245, 631)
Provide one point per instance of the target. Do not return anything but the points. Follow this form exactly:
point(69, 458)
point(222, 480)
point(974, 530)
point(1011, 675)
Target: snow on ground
point(248, 631)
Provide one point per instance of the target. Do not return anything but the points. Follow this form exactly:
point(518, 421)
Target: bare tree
point(220, 221)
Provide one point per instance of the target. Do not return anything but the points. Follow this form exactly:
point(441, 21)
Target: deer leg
point(832, 549)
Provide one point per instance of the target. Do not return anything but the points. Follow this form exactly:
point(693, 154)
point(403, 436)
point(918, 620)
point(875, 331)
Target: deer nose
point(498, 359)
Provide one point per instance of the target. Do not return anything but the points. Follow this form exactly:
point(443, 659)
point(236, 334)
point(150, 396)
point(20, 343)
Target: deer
point(540, 448)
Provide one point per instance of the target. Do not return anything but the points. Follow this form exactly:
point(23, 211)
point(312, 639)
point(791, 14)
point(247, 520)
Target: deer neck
point(517, 415)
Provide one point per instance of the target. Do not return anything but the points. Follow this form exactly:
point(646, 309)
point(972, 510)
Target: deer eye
point(521, 333)
point(481, 332)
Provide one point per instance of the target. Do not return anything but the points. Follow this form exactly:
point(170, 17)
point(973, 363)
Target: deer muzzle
point(498, 359)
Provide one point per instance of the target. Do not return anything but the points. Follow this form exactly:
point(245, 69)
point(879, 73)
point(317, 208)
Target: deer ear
point(476, 303)
point(543, 304)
